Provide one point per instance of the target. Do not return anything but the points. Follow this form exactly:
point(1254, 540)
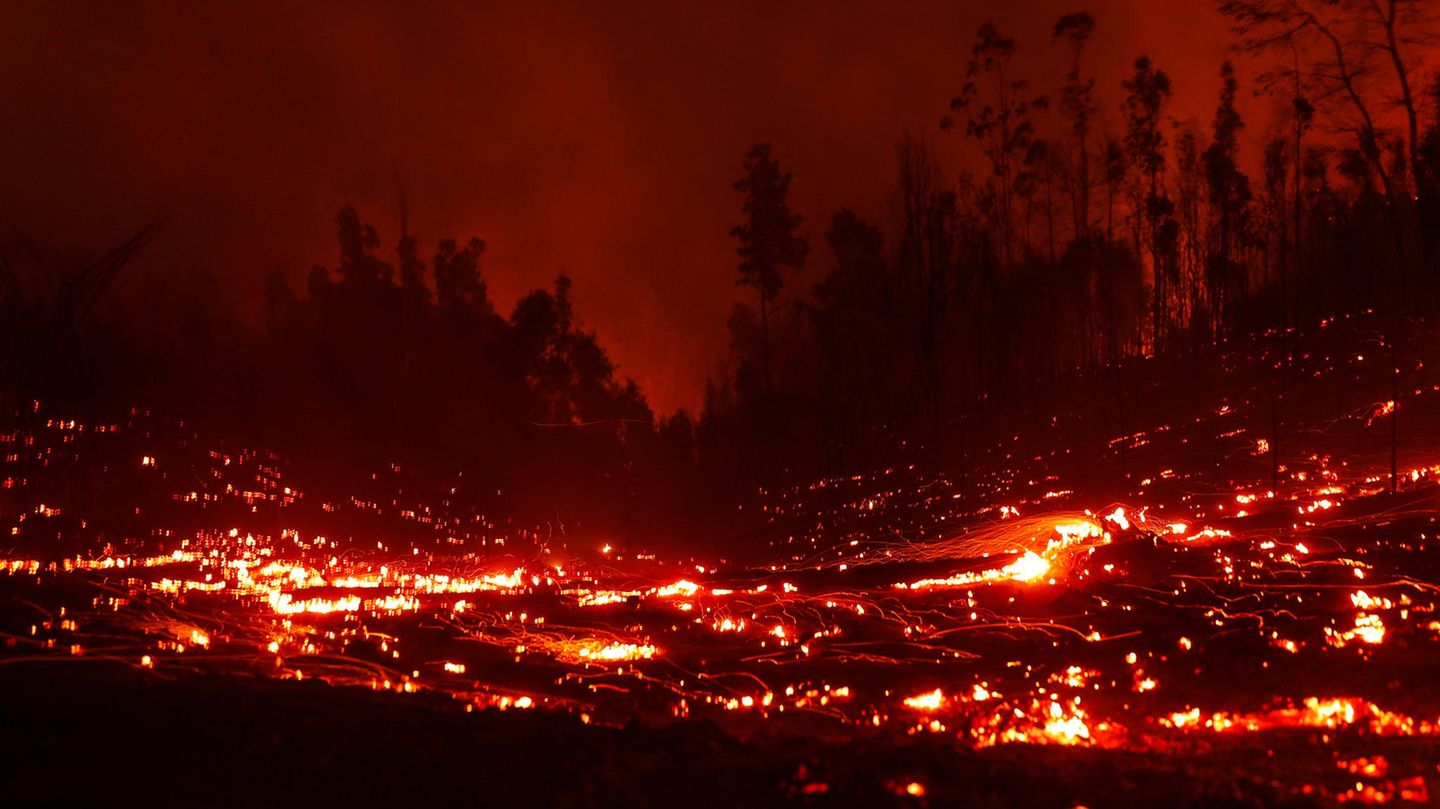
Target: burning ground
point(1212, 599)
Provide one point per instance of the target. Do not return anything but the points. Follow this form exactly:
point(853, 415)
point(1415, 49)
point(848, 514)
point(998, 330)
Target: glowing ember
point(1174, 622)
point(1030, 567)
point(929, 702)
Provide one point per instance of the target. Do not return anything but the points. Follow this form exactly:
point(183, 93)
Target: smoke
point(599, 140)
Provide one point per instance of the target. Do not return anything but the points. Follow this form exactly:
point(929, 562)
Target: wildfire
point(928, 702)
point(1104, 628)
point(1030, 567)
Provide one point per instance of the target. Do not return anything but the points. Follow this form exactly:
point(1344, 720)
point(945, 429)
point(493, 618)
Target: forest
point(1094, 230)
point(1070, 435)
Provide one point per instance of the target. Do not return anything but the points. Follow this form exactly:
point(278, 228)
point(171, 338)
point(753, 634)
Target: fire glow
point(1021, 625)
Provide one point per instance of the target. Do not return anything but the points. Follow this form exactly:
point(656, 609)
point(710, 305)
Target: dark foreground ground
point(76, 736)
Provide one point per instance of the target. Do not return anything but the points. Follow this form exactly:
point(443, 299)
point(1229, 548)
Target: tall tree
point(997, 111)
point(412, 270)
point(1276, 174)
point(768, 237)
point(1116, 169)
point(1189, 186)
point(926, 259)
point(1229, 194)
point(414, 294)
point(1335, 46)
point(854, 319)
point(1077, 104)
point(1147, 92)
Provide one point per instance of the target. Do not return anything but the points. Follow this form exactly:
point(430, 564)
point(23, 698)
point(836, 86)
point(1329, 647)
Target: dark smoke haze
point(595, 139)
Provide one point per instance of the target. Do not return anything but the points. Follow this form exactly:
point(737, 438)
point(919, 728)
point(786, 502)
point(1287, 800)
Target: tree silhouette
point(1077, 104)
point(46, 308)
point(997, 112)
point(1229, 195)
point(457, 275)
point(1147, 92)
point(358, 264)
point(853, 316)
point(768, 237)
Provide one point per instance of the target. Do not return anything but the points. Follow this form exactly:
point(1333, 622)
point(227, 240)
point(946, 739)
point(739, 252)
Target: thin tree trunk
point(765, 345)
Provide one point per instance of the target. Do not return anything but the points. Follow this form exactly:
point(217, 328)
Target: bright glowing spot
point(926, 702)
point(1118, 517)
point(1028, 568)
point(684, 587)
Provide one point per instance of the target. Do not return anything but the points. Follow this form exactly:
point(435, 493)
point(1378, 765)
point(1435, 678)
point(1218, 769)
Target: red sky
point(598, 139)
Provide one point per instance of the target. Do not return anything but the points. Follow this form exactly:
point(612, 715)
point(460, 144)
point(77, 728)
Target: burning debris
point(1255, 616)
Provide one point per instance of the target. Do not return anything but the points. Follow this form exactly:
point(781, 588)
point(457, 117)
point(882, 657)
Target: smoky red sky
point(597, 139)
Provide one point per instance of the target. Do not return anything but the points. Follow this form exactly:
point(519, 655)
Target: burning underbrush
point(1234, 619)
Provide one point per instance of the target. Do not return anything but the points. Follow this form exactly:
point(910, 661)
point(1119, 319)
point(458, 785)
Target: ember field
point(1222, 604)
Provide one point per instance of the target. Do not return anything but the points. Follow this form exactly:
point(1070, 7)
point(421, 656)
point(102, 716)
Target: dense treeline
point(381, 359)
point(1100, 231)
